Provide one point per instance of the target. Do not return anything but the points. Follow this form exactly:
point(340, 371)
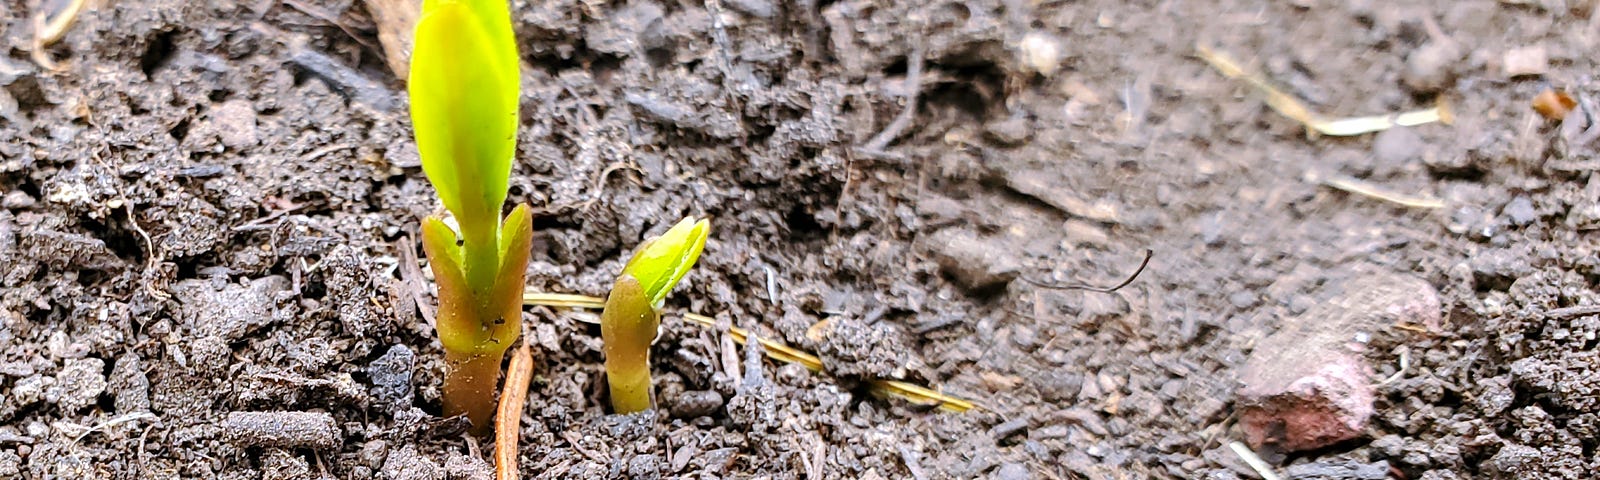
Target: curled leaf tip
point(661, 262)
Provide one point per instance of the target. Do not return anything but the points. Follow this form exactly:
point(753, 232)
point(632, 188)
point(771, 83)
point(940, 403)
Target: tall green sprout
point(464, 88)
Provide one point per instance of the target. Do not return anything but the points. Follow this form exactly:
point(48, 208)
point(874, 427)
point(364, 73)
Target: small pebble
point(1010, 132)
point(1012, 471)
point(697, 403)
point(236, 124)
point(1526, 61)
point(1008, 429)
point(81, 382)
point(391, 378)
point(1520, 211)
point(1431, 68)
point(17, 200)
point(976, 263)
point(1040, 52)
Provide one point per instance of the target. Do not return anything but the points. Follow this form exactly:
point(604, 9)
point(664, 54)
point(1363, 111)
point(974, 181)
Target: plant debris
point(777, 351)
point(1316, 123)
point(1362, 187)
point(1554, 104)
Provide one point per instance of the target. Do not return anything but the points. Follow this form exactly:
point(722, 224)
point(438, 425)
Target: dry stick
point(1361, 187)
point(133, 220)
point(332, 19)
point(1571, 312)
point(776, 351)
point(1059, 286)
point(909, 112)
point(396, 20)
point(1254, 461)
point(47, 31)
point(411, 275)
point(508, 421)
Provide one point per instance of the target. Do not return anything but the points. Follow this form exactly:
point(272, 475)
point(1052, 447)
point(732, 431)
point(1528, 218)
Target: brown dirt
point(204, 212)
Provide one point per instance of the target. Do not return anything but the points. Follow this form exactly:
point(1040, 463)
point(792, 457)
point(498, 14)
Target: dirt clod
point(1339, 470)
point(1397, 146)
point(405, 463)
point(280, 464)
point(231, 311)
point(460, 466)
point(80, 383)
point(235, 124)
point(314, 430)
point(696, 403)
point(644, 467)
point(1431, 68)
point(129, 385)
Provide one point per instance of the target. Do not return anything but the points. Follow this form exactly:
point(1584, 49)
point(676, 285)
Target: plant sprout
point(464, 89)
point(632, 314)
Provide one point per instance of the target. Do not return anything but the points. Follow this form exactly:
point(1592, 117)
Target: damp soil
point(207, 213)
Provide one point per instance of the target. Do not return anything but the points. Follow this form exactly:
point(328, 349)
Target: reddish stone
point(1319, 399)
point(1308, 385)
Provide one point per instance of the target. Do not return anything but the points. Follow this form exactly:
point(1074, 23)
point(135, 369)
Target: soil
point(207, 211)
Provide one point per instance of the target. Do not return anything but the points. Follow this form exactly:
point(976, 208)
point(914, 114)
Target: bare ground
point(206, 212)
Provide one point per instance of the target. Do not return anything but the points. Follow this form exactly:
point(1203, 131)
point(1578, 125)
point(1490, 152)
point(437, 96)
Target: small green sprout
point(632, 316)
point(464, 89)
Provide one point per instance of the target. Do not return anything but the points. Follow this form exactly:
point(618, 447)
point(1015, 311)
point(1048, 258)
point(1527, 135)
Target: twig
point(142, 437)
point(1254, 461)
point(260, 223)
point(572, 439)
point(1405, 364)
point(600, 181)
point(48, 31)
point(120, 419)
point(777, 351)
point(1078, 286)
point(319, 153)
point(1360, 187)
point(508, 421)
point(907, 113)
point(411, 274)
point(1315, 123)
point(563, 300)
point(332, 19)
point(133, 221)
point(1572, 312)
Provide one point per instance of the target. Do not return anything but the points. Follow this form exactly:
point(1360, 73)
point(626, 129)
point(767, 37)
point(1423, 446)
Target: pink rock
point(1308, 385)
point(1322, 398)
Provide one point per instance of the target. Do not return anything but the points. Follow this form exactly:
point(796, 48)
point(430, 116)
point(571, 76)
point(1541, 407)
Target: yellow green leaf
point(464, 88)
point(661, 262)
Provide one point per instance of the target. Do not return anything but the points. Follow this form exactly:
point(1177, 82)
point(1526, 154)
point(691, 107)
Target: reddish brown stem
point(469, 387)
point(508, 421)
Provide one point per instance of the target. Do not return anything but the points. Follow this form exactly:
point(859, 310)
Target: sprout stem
point(469, 386)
